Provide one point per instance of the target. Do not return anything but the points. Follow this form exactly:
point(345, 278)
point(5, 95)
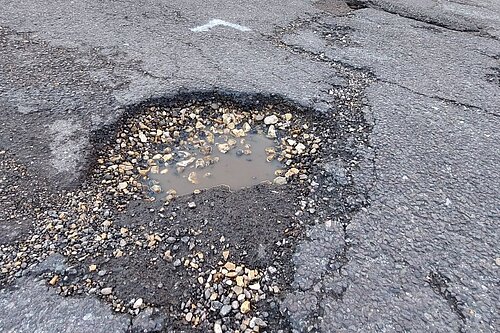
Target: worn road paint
point(216, 22)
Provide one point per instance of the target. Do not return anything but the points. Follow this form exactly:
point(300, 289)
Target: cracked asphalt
point(408, 241)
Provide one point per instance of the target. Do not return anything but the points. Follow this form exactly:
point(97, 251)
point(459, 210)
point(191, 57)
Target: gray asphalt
point(423, 256)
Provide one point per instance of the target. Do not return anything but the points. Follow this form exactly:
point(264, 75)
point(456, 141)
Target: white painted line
point(216, 22)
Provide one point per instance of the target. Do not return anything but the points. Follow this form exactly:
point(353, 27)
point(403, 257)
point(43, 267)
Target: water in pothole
point(232, 162)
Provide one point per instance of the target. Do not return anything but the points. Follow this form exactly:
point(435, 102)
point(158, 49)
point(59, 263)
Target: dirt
point(251, 222)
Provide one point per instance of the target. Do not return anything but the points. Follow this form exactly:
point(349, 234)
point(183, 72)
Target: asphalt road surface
point(403, 236)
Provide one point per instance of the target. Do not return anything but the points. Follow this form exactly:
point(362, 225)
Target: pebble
point(138, 303)
point(225, 310)
point(237, 290)
point(255, 286)
point(217, 328)
point(300, 148)
point(271, 120)
point(271, 132)
point(217, 305)
point(54, 280)
point(230, 266)
point(279, 180)
point(106, 291)
point(245, 307)
point(191, 204)
point(256, 321)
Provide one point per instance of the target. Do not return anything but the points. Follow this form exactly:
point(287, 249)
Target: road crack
point(440, 285)
point(442, 99)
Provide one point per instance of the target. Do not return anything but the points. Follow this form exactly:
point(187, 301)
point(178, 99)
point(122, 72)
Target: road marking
point(216, 22)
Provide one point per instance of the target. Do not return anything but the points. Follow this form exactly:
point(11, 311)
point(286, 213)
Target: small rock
point(188, 316)
point(300, 148)
point(216, 305)
point(54, 280)
point(271, 120)
point(143, 137)
point(237, 290)
point(240, 281)
point(185, 163)
point(223, 147)
point(256, 321)
point(230, 266)
point(156, 188)
point(279, 180)
point(245, 307)
point(225, 310)
point(271, 132)
point(217, 328)
point(191, 204)
point(255, 286)
point(291, 172)
point(106, 291)
point(138, 303)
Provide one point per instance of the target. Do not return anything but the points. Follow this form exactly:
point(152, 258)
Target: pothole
point(207, 258)
point(202, 146)
point(167, 152)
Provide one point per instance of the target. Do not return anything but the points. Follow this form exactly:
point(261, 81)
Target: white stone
point(271, 120)
point(138, 303)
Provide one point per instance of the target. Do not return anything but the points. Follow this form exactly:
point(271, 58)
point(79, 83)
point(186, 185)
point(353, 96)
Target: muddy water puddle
point(232, 162)
point(165, 152)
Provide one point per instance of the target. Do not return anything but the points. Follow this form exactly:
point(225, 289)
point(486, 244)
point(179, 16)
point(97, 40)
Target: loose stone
point(106, 291)
point(271, 132)
point(245, 307)
point(217, 328)
point(138, 303)
point(280, 180)
point(271, 120)
point(225, 310)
